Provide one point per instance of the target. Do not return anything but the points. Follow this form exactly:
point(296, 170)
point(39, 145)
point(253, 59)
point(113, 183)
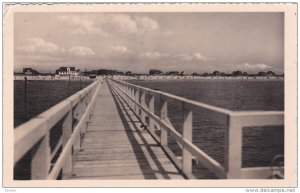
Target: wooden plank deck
point(116, 147)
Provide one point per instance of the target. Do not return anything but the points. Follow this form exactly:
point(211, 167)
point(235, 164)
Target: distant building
point(67, 71)
point(30, 71)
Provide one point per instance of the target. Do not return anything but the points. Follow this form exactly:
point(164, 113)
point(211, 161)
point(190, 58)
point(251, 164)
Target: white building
point(67, 71)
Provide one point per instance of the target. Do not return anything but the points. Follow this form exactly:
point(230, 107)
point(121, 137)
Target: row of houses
point(62, 71)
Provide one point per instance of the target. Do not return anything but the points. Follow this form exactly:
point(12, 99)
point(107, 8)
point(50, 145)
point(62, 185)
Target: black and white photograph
point(116, 93)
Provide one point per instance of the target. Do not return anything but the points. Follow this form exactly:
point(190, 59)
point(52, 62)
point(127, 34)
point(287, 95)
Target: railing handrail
point(29, 133)
point(235, 121)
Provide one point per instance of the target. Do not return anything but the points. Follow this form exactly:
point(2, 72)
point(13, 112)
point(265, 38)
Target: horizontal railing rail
point(74, 112)
point(235, 122)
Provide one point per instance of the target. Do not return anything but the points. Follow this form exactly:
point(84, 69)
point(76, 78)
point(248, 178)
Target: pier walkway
point(116, 130)
point(116, 147)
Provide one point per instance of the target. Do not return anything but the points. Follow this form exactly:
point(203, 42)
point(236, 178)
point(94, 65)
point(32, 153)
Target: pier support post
point(67, 131)
point(163, 117)
point(77, 113)
point(233, 153)
point(40, 163)
point(137, 99)
point(187, 134)
point(132, 97)
point(143, 103)
point(151, 109)
point(128, 93)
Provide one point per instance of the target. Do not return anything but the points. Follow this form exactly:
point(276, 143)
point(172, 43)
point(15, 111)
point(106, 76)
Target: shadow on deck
point(122, 149)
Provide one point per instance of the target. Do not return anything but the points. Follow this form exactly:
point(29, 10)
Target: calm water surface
point(41, 95)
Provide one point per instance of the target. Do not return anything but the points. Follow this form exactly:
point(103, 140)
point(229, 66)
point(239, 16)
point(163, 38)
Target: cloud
point(38, 45)
point(152, 55)
point(108, 23)
point(184, 56)
point(248, 66)
point(124, 23)
point(200, 57)
point(121, 49)
point(146, 24)
point(192, 57)
point(82, 24)
point(81, 51)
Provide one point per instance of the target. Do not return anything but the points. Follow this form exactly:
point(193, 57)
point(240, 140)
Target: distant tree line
point(157, 72)
point(236, 73)
point(109, 72)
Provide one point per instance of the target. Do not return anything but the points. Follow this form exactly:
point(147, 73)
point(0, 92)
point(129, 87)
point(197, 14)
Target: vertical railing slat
point(163, 117)
point(187, 134)
point(77, 113)
point(151, 109)
point(131, 96)
point(85, 105)
point(137, 99)
point(233, 153)
point(67, 131)
point(128, 93)
point(40, 163)
point(143, 103)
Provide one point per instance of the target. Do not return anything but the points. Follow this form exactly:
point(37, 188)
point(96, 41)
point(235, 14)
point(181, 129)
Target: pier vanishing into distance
point(110, 131)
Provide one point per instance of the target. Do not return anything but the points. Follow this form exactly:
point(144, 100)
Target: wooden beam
point(233, 153)
point(67, 131)
point(187, 134)
point(163, 117)
point(41, 160)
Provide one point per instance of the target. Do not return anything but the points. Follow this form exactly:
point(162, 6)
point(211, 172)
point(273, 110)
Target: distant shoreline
point(168, 78)
point(144, 78)
point(50, 78)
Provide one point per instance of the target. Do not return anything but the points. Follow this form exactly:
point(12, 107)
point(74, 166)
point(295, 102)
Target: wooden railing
point(235, 122)
point(74, 112)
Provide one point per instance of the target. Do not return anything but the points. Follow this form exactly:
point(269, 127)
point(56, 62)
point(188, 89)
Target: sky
point(137, 42)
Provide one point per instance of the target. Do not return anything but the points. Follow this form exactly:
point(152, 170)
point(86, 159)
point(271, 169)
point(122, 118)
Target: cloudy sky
point(190, 42)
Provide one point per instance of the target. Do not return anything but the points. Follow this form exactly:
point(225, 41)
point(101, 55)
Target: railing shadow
point(122, 108)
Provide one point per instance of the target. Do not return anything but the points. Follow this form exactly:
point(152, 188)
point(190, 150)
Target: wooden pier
point(116, 147)
point(110, 131)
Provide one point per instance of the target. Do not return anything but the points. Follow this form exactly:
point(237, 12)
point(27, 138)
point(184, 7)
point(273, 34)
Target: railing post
point(131, 90)
point(84, 104)
point(77, 113)
point(137, 99)
point(188, 135)
point(40, 163)
point(151, 109)
point(67, 131)
point(143, 103)
point(127, 92)
point(233, 153)
point(163, 117)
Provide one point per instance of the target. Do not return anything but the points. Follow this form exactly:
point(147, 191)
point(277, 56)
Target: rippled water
point(229, 94)
point(41, 95)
